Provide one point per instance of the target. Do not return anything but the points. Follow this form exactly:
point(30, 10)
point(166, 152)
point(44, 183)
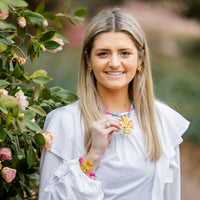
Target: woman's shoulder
point(69, 109)
point(173, 124)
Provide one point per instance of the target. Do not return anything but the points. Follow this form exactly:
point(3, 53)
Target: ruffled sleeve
point(171, 126)
point(60, 174)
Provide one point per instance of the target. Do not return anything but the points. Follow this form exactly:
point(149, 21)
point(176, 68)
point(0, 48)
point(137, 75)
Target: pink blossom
point(45, 23)
point(4, 15)
point(58, 40)
point(48, 138)
point(5, 154)
point(23, 103)
point(3, 92)
point(8, 174)
point(22, 22)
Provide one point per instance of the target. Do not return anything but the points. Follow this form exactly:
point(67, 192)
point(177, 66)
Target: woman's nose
point(114, 61)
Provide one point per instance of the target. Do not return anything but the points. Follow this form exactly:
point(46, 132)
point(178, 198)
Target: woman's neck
point(115, 101)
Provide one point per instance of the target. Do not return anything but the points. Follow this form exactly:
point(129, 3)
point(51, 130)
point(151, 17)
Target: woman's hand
point(102, 130)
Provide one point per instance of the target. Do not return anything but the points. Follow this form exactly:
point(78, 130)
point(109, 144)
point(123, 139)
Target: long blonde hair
point(140, 88)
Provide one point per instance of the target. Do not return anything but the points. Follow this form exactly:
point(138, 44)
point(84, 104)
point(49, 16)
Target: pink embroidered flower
point(3, 92)
point(58, 40)
point(5, 154)
point(4, 15)
point(22, 22)
point(48, 138)
point(8, 174)
point(23, 103)
point(45, 23)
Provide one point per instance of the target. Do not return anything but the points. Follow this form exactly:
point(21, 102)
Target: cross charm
point(126, 124)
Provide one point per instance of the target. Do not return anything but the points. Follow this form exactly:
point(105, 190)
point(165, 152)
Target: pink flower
point(22, 22)
point(48, 138)
point(3, 92)
point(4, 15)
point(8, 174)
point(5, 154)
point(23, 103)
point(60, 41)
point(45, 23)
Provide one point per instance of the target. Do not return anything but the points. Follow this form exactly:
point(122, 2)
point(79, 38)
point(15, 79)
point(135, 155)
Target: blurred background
point(173, 32)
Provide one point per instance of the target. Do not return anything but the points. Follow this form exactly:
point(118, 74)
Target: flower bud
point(45, 23)
point(5, 154)
point(48, 138)
point(4, 15)
point(21, 61)
point(3, 92)
point(22, 22)
point(21, 116)
point(23, 103)
point(8, 174)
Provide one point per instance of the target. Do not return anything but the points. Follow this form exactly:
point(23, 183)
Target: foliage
point(24, 100)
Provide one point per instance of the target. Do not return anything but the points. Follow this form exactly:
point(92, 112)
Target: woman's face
point(114, 59)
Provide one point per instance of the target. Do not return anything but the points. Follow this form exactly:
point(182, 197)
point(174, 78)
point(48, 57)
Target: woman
point(117, 142)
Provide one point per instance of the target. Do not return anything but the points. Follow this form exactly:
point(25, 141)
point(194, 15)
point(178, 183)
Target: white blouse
point(123, 173)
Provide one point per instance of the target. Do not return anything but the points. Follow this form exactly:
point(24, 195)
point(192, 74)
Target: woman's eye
point(125, 53)
point(102, 54)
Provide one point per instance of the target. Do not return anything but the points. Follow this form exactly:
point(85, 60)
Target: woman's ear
point(87, 58)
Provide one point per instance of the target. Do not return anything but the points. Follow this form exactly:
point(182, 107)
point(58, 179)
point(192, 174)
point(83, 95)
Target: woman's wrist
point(94, 158)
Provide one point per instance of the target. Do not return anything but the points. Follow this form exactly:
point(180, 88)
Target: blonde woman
point(116, 142)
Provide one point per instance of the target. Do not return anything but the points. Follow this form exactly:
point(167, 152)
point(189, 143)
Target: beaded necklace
point(126, 123)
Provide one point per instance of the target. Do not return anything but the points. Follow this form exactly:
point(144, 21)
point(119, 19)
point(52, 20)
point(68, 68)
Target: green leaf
point(47, 35)
point(7, 26)
point(45, 93)
point(8, 101)
point(29, 114)
point(66, 94)
point(17, 3)
point(38, 110)
point(4, 110)
point(17, 71)
point(55, 89)
point(21, 32)
point(58, 23)
point(15, 111)
point(3, 47)
point(30, 157)
point(3, 83)
point(31, 125)
point(2, 134)
point(5, 40)
point(40, 72)
point(40, 8)
point(51, 45)
point(20, 125)
point(39, 140)
point(80, 12)
point(33, 17)
point(41, 79)
point(50, 16)
point(3, 6)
